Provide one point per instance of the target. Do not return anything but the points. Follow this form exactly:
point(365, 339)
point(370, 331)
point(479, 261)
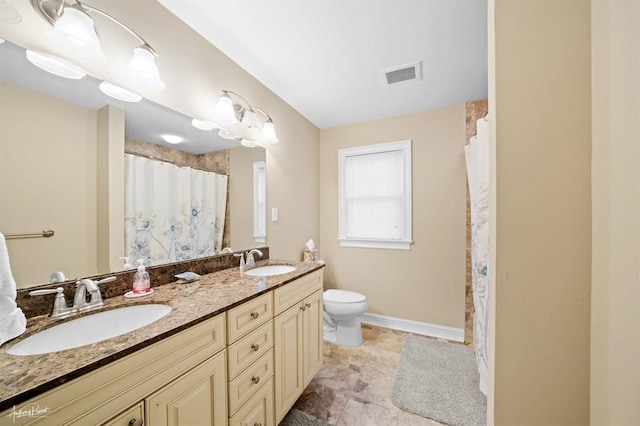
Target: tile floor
point(353, 387)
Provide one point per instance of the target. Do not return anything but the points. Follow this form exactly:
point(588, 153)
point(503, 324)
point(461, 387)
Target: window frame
point(403, 243)
point(259, 211)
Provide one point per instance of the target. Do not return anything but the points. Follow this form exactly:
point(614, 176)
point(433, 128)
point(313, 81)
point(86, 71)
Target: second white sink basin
point(266, 271)
point(90, 329)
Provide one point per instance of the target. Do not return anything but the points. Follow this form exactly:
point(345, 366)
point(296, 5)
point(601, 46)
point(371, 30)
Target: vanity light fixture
point(118, 92)
point(74, 31)
point(240, 120)
point(8, 13)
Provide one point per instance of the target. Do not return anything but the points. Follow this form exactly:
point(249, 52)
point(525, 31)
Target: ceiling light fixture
point(118, 92)
point(240, 120)
point(74, 31)
point(204, 124)
point(172, 139)
point(54, 65)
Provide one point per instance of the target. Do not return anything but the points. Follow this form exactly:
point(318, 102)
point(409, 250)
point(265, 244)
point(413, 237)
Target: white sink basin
point(266, 271)
point(90, 329)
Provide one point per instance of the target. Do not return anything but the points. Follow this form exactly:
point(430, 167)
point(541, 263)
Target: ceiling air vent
point(405, 73)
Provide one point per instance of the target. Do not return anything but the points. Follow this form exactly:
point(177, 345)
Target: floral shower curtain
point(172, 213)
point(477, 156)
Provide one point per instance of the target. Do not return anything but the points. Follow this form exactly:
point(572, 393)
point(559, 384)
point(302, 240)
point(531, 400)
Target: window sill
point(376, 244)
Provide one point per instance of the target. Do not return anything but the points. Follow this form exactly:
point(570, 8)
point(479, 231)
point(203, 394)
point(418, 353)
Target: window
point(375, 196)
point(259, 203)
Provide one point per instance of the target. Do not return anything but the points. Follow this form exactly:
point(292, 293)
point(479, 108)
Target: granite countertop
point(24, 377)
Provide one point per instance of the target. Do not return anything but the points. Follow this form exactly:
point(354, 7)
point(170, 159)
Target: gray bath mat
point(300, 418)
point(440, 381)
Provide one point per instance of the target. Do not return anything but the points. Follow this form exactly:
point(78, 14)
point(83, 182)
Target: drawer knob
point(254, 315)
point(255, 379)
point(302, 308)
point(255, 347)
point(257, 424)
point(308, 305)
point(136, 422)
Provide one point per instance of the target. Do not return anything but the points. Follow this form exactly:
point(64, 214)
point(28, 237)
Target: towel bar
point(45, 234)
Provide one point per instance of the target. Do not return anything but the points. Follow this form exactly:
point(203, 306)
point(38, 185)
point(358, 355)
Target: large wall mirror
point(62, 159)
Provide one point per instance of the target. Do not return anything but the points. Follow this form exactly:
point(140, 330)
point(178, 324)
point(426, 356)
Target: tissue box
point(310, 255)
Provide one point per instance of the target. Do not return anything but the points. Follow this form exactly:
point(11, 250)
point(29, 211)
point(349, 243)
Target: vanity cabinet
point(114, 393)
point(196, 398)
point(246, 366)
point(250, 362)
point(297, 339)
point(134, 416)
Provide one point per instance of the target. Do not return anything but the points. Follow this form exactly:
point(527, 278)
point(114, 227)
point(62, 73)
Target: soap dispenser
point(126, 265)
point(141, 281)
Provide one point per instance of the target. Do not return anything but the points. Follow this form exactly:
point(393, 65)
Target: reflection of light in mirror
point(204, 124)
point(118, 92)
point(226, 134)
point(56, 66)
point(173, 139)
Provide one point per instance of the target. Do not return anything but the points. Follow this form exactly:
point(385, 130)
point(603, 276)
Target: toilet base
point(347, 333)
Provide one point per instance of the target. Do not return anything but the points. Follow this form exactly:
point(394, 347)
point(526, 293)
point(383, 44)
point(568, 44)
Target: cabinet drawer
point(286, 296)
point(247, 350)
point(246, 317)
point(258, 411)
point(134, 416)
point(249, 381)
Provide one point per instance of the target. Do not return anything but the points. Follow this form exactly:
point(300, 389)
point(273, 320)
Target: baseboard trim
point(424, 328)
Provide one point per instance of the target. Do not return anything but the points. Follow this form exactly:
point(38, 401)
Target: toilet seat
point(342, 296)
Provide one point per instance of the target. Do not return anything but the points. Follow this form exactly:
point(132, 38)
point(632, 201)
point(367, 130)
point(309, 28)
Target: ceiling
point(325, 57)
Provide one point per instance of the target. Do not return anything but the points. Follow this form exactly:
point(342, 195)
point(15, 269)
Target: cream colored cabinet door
point(197, 398)
point(258, 411)
point(312, 336)
point(134, 416)
point(288, 356)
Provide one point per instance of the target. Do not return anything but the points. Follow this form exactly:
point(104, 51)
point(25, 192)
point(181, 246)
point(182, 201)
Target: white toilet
point(342, 311)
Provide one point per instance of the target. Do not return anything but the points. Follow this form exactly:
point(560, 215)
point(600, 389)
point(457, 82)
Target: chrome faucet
point(60, 308)
point(88, 285)
point(251, 263)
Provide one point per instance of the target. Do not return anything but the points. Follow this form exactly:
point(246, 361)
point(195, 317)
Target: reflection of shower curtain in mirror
point(172, 213)
point(477, 155)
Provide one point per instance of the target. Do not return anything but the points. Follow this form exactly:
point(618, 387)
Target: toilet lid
point(343, 296)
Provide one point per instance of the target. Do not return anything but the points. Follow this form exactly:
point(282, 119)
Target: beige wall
point(615, 298)
point(66, 165)
point(241, 195)
point(427, 283)
point(541, 96)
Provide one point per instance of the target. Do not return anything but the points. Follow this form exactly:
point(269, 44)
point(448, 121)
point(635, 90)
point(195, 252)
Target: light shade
point(268, 133)
point(118, 92)
point(8, 13)
point(77, 27)
point(55, 65)
point(224, 111)
point(143, 72)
